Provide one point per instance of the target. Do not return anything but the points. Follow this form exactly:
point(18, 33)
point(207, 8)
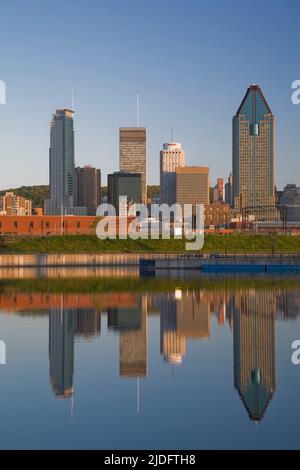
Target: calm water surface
point(124, 363)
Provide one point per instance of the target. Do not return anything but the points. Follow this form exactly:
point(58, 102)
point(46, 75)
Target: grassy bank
point(237, 243)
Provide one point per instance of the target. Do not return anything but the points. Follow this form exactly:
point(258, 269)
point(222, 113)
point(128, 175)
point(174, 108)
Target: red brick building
point(48, 225)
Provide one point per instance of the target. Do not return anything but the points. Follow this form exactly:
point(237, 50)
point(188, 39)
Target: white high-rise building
point(171, 157)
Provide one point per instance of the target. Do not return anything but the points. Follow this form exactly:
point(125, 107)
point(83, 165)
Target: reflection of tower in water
point(182, 315)
point(254, 349)
point(132, 326)
point(62, 326)
point(133, 346)
point(172, 345)
point(88, 323)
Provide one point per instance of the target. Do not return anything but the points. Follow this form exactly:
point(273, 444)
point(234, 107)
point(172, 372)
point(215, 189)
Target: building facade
point(192, 186)
point(290, 203)
point(228, 191)
point(171, 157)
point(133, 155)
point(11, 204)
point(88, 188)
point(218, 191)
point(51, 225)
point(217, 214)
point(124, 184)
point(62, 166)
point(253, 155)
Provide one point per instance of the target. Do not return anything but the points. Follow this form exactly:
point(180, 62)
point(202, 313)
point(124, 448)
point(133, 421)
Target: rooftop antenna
point(172, 132)
point(72, 99)
point(137, 109)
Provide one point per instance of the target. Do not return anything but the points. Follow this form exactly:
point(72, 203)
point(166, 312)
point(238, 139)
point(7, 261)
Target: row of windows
point(32, 225)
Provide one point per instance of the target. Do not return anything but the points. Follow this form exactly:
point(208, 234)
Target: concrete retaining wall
point(143, 260)
point(76, 259)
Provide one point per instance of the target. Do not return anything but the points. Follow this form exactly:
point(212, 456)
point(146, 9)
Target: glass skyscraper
point(253, 156)
point(62, 165)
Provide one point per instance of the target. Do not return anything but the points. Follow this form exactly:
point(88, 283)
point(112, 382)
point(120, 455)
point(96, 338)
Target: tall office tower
point(171, 157)
point(254, 349)
point(192, 186)
point(253, 156)
point(88, 188)
point(133, 154)
point(124, 184)
point(228, 191)
point(61, 165)
point(62, 326)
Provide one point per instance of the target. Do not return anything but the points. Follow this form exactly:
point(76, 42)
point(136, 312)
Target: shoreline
point(151, 262)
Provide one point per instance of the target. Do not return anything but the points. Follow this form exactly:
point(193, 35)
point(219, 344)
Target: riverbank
point(88, 244)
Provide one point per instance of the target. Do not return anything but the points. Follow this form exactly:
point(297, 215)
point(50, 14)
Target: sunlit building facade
point(171, 157)
point(133, 155)
point(253, 156)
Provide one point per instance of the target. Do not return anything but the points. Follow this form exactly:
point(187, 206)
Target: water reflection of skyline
point(185, 315)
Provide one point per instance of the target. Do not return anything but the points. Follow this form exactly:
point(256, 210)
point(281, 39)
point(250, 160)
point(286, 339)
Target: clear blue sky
point(192, 61)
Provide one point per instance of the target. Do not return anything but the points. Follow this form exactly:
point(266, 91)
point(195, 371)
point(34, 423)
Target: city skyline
point(86, 164)
point(200, 99)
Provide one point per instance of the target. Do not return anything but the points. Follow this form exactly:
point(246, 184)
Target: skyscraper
point(171, 157)
point(253, 155)
point(124, 184)
point(61, 165)
point(133, 154)
point(88, 188)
